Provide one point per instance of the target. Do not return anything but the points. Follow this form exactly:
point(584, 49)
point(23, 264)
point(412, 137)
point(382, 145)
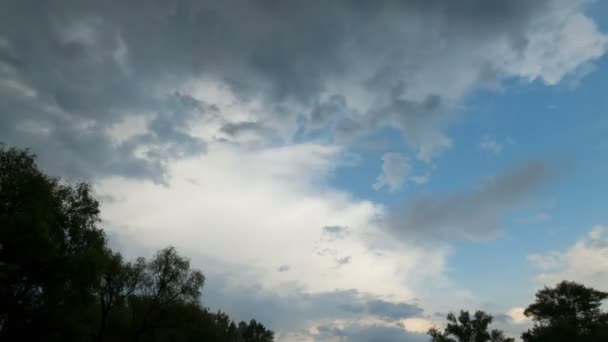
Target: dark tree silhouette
point(466, 329)
point(119, 281)
point(567, 312)
point(50, 251)
point(167, 279)
point(59, 281)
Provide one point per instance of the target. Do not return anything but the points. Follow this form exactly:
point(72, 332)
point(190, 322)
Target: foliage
point(466, 329)
point(59, 280)
point(567, 312)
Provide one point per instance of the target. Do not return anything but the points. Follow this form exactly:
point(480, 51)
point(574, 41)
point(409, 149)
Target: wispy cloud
point(450, 216)
point(490, 144)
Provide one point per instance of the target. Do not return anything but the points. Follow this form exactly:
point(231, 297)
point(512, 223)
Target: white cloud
point(421, 179)
point(586, 261)
point(558, 45)
point(517, 315)
point(267, 208)
point(396, 169)
point(257, 221)
point(418, 325)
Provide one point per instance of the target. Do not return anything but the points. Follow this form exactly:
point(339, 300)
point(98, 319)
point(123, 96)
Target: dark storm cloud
point(474, 214)
point(70, 70)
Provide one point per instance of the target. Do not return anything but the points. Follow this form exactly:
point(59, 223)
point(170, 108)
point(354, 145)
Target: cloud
point(343, 261)
point(248, 72)
point(284, 268)
point(418, 325)
point(332, 233)
point(392, 311)
point(382, 309)
point(586, 261)
point(395, 171)
point(489, 143)
point(474, 214)
point(421, 179)
point(235, 222)
point(293, 310)
point(367, 332)
point(512, 318)
point(517, 316)
point(250, 206)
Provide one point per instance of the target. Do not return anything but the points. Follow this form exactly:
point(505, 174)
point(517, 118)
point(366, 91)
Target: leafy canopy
point(465, 328)
point(567, 312)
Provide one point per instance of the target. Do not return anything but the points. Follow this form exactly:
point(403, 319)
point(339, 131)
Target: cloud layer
point(190, 72)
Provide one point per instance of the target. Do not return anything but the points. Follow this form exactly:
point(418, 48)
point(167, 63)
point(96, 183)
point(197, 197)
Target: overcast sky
point(340, 170)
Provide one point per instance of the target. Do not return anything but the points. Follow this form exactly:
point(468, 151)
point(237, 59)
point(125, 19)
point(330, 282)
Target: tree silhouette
point(466, 329)
point(567, 312)
point(167, 279)
point(118, 282)
point(50, 251)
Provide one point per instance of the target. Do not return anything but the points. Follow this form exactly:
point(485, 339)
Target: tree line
point(60, 281)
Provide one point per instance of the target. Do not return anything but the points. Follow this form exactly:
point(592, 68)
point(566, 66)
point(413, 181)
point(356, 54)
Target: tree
point(465, 329)
point(50, 251)
point(119, 281)
point(567, 312)
point(254, 332)
point(167, 279)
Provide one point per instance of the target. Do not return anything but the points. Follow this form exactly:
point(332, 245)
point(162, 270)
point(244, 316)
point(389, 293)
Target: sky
point(341, 171)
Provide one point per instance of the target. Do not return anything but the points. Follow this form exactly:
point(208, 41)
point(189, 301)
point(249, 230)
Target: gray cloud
point(392, 311)
point(362, 333)
point(333, 233)
point(284, 268)
point(71, 70)
point(385, 310)
point(474, 214)
point(249, 132)
point(294, 309)
point(503, 318)
point(343, 261)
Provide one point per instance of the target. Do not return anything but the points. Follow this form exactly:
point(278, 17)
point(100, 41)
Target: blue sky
point(342, 171)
